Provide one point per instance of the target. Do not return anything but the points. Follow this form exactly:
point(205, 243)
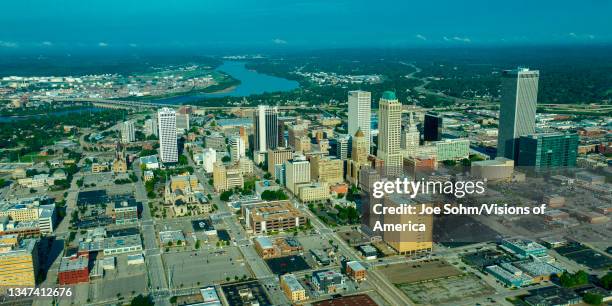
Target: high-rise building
point(408, 242)
point(548, 150)
point(432, 127)
point(226, 178)
point(207, 158)
point(281, 133)
point(150, 127)
point(389, 130)
point(410, 137)
point(519, 96)
point(360, 114)
point(182, 122)
point(326, 170)
point(18, 262)
point(278, 156)
point(303, 144)
point(295, 132)
point(237, 148)
point(359, 149)
point(215, 141)
point(297, 170)
point(168, 144)
point(265, 123)
point(128, 134)
point(342, 146)
point(359, 157)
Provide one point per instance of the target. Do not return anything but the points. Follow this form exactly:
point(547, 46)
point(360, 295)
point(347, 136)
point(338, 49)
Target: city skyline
point(308, 152)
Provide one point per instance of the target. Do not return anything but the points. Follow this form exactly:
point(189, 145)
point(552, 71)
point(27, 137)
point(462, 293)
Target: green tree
point(225, 196)
point(569, 280)
point(183, 160)
point(606, 281)
point(141, 300)
point(593, 298)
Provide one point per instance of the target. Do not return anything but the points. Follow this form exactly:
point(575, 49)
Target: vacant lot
point(437, 291)
point(417, 272)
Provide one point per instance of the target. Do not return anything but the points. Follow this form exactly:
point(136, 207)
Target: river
point(251, 83)
point(55, 113)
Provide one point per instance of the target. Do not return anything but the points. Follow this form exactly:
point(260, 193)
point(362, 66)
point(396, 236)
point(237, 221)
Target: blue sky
point(88, 24)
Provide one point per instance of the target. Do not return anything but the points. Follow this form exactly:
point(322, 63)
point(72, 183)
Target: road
point(156, 275)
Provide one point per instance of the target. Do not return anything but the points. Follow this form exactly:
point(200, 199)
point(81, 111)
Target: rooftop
point(73, 263)
point(292, 282)
point(389, 95)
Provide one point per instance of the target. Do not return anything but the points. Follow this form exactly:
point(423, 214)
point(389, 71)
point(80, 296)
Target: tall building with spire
point(360, 114)
point(389, 130)
point(359, 157)
point(410, 137)
point(519, 97)
point(168, 144)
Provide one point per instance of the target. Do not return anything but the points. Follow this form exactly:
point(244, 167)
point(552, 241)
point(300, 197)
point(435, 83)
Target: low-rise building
point(272, 216)
point(125, 211)
point(321, 257)
point(100, 167)
point(74, 270)
point(292, 288)
point(122, 244)
point(552, 296)
point(509, 275)
point(500, 168)
point(328, 281)
point(148, 175)
point(312, 192)
point(355, 270)
point(150, 162)
point(210, 297)
point(524, 247)
point(369, 252)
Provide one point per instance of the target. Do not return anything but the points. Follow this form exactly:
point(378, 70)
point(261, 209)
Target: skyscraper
point(237, 148)
point(389, 130)
point(127, 132)
point(168, 145)
point(432, 127)
point(342, 146)
point(265, 123)
point(519, 96)
point(410, 137)
point(360, 114)
point(548, 150)
point(182, 122)
point(150, 127)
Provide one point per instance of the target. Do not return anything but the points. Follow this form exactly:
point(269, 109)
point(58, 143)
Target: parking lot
point(205, 267)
